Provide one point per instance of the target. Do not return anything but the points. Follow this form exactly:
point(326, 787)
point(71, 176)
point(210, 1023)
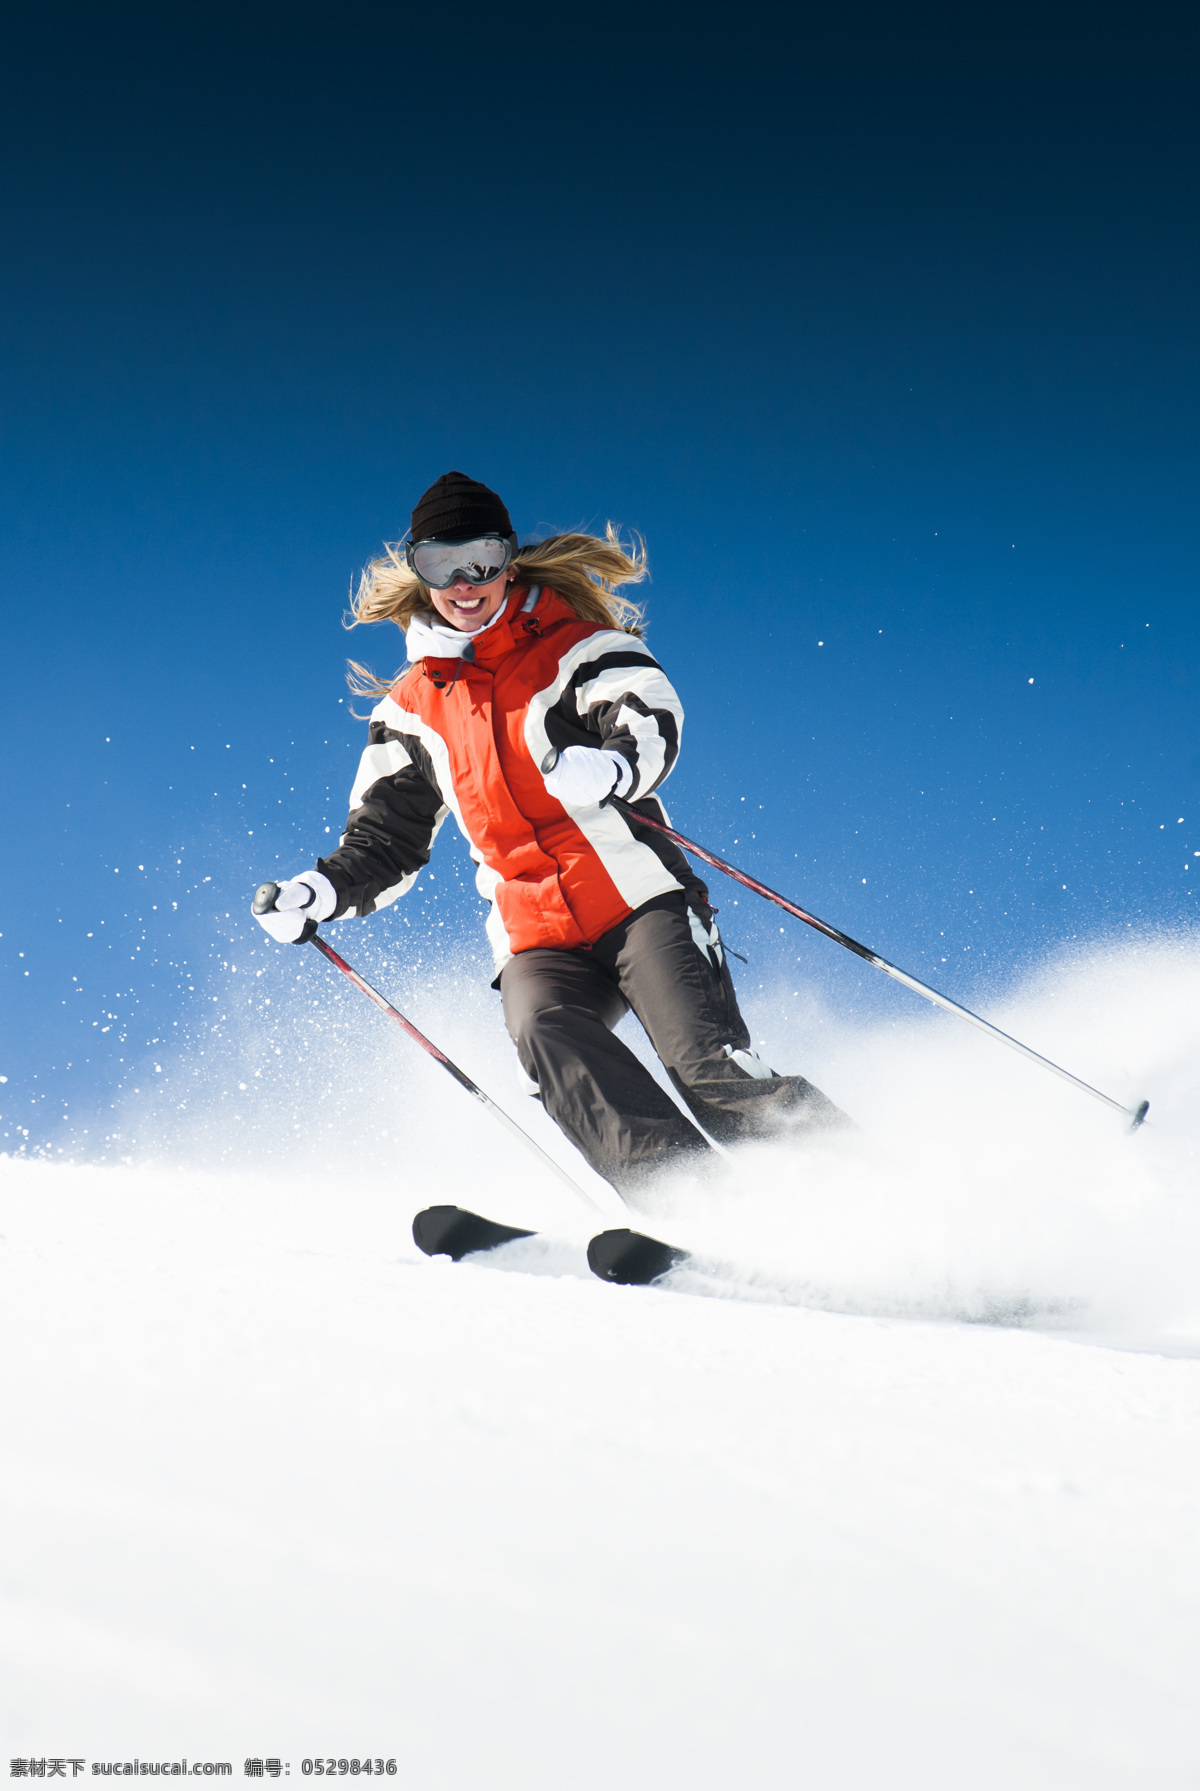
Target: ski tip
point(1139, 1114)
point(454, 1232)
point(631, 1258)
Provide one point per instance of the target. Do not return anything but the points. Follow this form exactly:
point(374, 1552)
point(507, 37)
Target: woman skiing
point(530, 700)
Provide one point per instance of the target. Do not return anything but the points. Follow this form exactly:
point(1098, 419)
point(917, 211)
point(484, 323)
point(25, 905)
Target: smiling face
point(470, 607)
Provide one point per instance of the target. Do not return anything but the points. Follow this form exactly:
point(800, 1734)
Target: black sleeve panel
point(565, 726)
point(622, 738)
point(389, 834)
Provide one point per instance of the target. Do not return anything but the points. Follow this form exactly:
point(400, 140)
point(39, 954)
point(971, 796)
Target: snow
point(905, 1498)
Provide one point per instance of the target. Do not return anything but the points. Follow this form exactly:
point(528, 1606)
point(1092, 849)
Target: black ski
point(631, 1258)
point(453, 1231)
point(628, 1257)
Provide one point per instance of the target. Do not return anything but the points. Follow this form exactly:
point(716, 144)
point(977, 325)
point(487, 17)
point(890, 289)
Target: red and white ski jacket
point(466, 735)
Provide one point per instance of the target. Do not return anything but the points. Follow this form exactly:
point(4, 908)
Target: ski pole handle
point(265, 897)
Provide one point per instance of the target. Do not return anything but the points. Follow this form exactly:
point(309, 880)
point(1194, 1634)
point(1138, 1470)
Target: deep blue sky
point(881, 331)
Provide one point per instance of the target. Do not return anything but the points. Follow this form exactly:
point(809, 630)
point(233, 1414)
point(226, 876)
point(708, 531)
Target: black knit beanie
point(455, 506)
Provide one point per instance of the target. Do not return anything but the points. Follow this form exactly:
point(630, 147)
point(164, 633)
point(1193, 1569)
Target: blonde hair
point(583, 569)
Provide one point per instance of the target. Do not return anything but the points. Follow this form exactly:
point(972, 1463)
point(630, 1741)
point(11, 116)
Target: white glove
point(585, 775)
point(300, 899)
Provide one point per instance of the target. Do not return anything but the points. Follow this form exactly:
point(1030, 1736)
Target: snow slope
point(275, 1484)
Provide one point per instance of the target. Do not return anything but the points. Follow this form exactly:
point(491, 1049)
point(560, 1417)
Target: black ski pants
point(666, 963)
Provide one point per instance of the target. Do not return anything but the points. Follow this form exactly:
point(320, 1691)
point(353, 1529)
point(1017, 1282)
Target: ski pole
point(1135, 1114)
point(264, 901)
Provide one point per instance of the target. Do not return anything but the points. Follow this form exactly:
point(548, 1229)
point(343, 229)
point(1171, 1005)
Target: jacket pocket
point(535, 911)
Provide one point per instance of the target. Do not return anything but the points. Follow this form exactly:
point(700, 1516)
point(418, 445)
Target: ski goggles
point(477, 562)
